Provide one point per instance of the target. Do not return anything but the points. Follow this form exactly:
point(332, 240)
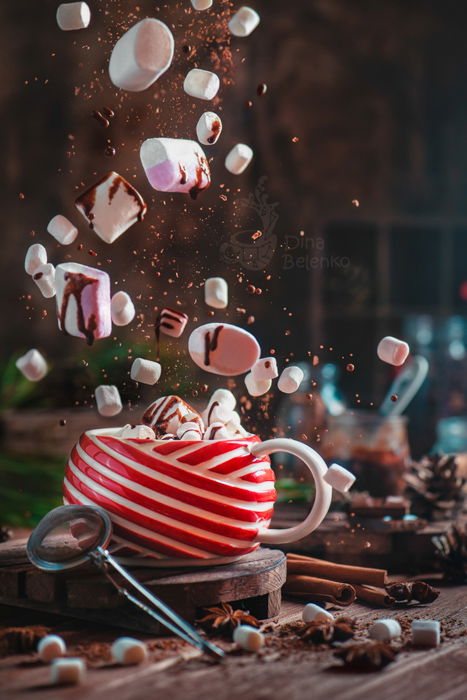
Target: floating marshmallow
point(32, 365)
point(62, 229)
point(122, 309)
point(137, 432)
point(339, 478)
point(290, 379)
point(248, 638)
point(202, 84)
point(216, 292)
point(208, 128)
point(36, 256)
point(175, 165)
point(145, 371)
point(393, 351)
point(244, 21)
point(384, 630)
point(217, 431)
point(111, 206)
point(223, 349)
point(265, 368)
point(171, 322)
point(67, 671)
point(314, 613)
point(141, 55)
point(108, 400)
point(166, 414)
point(73, 15)
point(189, 431)
point(51, 647)
point(83, 301)
point(44, 277)
point(425, 633)
point(238, 159)
point(257, 387)
point(201, 4)
point(129, 651)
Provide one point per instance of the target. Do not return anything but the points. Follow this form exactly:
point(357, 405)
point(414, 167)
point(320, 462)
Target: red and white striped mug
point(184, 502)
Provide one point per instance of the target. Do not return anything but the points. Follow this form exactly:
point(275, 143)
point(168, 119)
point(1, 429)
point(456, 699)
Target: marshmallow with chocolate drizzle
point(166, 414)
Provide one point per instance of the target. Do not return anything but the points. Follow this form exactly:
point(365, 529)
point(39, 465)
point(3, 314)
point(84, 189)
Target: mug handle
point(318, 469)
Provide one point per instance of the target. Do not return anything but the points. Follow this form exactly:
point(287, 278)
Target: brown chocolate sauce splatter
point(210, 344)
point(183, 176)
point(201, 169)
point(76, 282)
point(100, 118)
point(215, 128)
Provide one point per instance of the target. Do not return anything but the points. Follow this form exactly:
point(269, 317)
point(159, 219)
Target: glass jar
point(375, 448)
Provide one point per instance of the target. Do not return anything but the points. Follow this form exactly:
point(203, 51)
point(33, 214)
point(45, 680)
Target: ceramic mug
point(190, 503)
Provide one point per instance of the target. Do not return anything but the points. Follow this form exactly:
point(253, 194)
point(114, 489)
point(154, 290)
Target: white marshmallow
point(36, 256)
point(238, 159)
point(224, 349)
point(314, 613)
point(137, 432)
point(248, 638)
point(224, 397)
point(167, 413)
point(129, 651)
point(425, 633)
point(290, 379)
point(339, 478)
point(51, 647)
point(202, 84)
point(235, 426)
point(44, 277)
point(108, 400)
point(384, 630)
point(189, 431)
point(32, 365)
point(201, 4)
point(145, 371)
point(257, 387)
point(73, 15)
point(265, 368)
point(217, 431)
point(244, 21)
point(392, 351)
point(193, 417)
point(62, 229)
point(122, 309)
point(208, 128)
point(67, 671)
point(216, 292)
point(175, 165)
point(141, 55)
point(111, 206)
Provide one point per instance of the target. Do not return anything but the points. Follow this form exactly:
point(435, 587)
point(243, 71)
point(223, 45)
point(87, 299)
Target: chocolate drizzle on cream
point(210, 343)
point(76, 283)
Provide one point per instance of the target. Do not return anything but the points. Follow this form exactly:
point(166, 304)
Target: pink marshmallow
point(393, 351)
point(175, 165)
point(223, 349)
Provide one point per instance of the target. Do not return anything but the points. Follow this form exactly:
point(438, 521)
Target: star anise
point(224, 619)
point(419, 591)
point(339, 630)
point(366, 656)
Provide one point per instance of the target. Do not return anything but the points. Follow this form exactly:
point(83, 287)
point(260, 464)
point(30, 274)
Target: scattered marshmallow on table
point(384, 630)
point(73, 15)
point(290, 379)
point(137, 432)
point(257, 387)
point(67, 671)
point(111, 206)
point(51, 647)
point(62, 229)
point(314, 613)
point(175, 165)
point(244, 21)
point(171, 322)
point(201, 4)
point(83, 301)
point(44, 277)
point(238, 158)
point(128, 651)
point(36, 256)
point(393, 351)
point(339, 478)
point(208, 128)
point(202, 84)
point(122, 309)
point(32, 365)
point(221, 348)
point(425, 633)
point(216, 292)
point(108, 400)
point(189, 431)
point(141, 55)
point(248, 638)
point(145, 371)
point(265, 368)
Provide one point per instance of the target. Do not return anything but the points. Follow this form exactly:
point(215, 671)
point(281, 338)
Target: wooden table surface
point(175, 670)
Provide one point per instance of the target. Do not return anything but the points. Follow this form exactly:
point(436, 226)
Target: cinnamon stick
point(318, 589)
point(309, 566)
point(376, 597)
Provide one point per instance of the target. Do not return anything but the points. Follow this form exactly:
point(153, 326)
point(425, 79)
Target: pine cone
point(435, 488)
point(451, 550)
point(5, 533)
